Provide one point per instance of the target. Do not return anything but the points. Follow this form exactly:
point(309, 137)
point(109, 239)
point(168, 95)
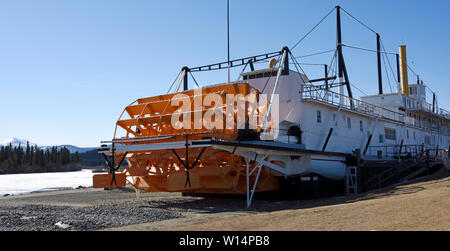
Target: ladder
point(351, 180)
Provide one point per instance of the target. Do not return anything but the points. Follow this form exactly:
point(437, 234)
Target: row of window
point(349, 121)
point(389, 133)
point(423, 121)
point(427, 123)
point(427, 139)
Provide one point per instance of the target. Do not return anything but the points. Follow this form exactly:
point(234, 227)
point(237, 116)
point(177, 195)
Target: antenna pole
point(228, 37)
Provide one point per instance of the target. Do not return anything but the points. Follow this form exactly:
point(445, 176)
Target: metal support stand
point(137, 193)
point(259, 166)
point(186, 164)
point(252, 193)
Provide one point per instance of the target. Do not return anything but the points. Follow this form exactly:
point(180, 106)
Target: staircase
point(397, 174)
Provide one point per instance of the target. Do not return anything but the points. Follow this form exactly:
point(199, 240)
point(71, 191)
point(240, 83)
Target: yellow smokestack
point(404, 70)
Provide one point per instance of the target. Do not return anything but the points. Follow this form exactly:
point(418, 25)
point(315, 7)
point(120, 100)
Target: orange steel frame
point(216, 171)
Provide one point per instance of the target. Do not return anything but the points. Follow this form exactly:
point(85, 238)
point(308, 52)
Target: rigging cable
point(309, 64)
point(307, 34)
point(315, 54)
point(333, 70)
point(387, 74)
point(174, 82)
point(365, 49)
point(363, 24)
point(273, 70)
point(359, 89)
point(295, 60)
point(387, 58)
point(245, 67)
point(295, 64)
point(194, 79)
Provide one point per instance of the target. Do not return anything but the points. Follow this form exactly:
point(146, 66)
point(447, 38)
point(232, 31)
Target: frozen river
point(14, 184)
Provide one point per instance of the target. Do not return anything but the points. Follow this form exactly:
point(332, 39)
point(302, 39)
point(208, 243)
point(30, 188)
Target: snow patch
point(15, 184)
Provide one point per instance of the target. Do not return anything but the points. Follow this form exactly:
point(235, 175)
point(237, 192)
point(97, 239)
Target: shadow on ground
point(270, 202)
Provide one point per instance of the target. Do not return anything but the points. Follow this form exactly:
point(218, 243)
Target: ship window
point(361, 126)
point(390, 133)
point(414, 134)
point(381, 138)
point(319, 117)
point(349, 123)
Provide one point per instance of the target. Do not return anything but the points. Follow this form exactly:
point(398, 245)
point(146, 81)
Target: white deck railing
point(317, 94)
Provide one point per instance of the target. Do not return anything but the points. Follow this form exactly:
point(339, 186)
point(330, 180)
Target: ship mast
point(342, 70)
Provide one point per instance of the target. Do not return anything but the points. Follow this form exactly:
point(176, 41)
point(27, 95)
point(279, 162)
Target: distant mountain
point(71, 148)
point(15, 142)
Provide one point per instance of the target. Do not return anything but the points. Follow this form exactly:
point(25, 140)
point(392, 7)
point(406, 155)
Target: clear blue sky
point(69, 67)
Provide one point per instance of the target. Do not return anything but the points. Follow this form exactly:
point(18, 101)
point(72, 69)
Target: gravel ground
point(65, 218)
point(81, 209)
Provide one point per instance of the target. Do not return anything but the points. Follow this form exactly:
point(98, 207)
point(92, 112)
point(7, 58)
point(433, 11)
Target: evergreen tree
point(33, 159)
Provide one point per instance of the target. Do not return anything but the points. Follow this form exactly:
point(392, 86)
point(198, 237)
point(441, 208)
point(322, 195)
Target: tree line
point(32, 159)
